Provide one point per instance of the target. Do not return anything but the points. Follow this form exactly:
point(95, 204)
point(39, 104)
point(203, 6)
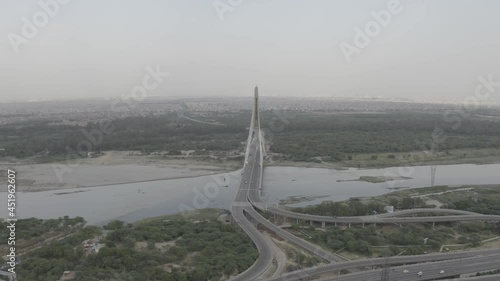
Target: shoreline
point(112, 168)
point(151, 180)
point(118, 168)
point(345, 166)
point(122, 183)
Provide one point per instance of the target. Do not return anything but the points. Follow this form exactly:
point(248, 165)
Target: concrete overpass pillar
point(323, 225)
point(349, 225)
point(363, 225)
point(375, 224)
point(433, 224)
point(311, 223)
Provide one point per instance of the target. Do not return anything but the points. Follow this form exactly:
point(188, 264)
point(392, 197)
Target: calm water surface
point(132, 202)
point(281, 182)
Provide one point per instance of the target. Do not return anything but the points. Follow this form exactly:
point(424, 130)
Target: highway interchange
point(431, 270)
point(248, 199)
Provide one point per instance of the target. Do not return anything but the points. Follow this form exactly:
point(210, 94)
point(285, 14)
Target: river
point(135, 201)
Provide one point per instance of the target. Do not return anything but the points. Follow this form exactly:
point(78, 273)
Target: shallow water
point(135, 201)
point(323, 182)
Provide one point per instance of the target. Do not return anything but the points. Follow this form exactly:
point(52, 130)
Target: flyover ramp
point(430, 270)
point(379, 262)
point(393, 218)
point(266, 254)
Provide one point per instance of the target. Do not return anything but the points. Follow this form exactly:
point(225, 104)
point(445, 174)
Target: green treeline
point(354, 207)
point(336, 137)
point(144, 133)
point(299, 136)
point(486, 203)
point(27, 229)
point(411, 239)
point(191, 251)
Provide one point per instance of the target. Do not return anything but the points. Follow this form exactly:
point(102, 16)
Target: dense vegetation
point(27, 229)
point(361, 240)
point(337, 137)
point(302, 137)
point(146, 133)
point(354, 207)
point(412, 239)
point(484, 200)
point(158, 249)
point(481, 199)
point(49, 262)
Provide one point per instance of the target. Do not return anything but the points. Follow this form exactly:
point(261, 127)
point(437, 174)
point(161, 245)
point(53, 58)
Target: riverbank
point(121, 167)
point(112, 168)
point(393, 159)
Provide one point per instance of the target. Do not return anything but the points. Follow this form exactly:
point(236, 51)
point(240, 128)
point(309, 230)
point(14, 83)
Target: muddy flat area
point(114, 167)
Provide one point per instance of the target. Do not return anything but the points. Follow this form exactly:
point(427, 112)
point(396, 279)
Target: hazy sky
point(432, 49)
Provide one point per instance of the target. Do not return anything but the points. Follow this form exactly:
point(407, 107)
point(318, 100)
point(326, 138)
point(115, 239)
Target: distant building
point(389, 209)
point(68, 275)
point(92, 246)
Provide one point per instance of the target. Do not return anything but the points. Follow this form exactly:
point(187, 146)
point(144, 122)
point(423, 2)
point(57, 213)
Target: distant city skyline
point(415, 50)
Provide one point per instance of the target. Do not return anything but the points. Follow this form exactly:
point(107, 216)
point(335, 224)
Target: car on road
point(420, 274)
point(405, 271)
point(441, 272)
point(246, 182)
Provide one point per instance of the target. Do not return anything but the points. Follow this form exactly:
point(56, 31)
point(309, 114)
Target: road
point(252, 182)
point(379, 262)
point(238, 210)
point(430, 271)
point(266, 255)
point(241, 206)
point(495, 277)
point(242, 210)
point(248, 198)
point(396, 217)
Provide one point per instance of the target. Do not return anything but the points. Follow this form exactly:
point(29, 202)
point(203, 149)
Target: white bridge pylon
point(255, 126)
